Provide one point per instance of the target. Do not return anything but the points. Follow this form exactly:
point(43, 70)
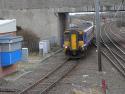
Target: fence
point(32, 45)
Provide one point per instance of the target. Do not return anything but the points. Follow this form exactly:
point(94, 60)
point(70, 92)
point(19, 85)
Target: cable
point(122, 1)
point(119, 8)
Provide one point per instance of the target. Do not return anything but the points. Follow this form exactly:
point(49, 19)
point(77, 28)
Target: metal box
point(45, 46)
point(10, 58)
point(25, 54)
point(10, 43)
point(10, 50)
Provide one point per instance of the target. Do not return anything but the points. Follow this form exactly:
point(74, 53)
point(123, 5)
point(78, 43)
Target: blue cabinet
point(9, 58)
point(10, 50)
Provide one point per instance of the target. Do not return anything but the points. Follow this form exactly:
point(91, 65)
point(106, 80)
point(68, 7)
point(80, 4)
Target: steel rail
point(114, 43)
point(53, 84)
point(8, 90)
point(111, 51)
point(44, 77)
point(114, 64)
point(118, 37)
point(113, 55)
point(119, 56)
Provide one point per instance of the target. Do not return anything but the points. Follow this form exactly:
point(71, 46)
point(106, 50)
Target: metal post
point(97, 7)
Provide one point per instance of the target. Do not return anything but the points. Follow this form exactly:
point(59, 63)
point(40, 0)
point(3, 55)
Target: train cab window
point(67, 36)
point(80, 37)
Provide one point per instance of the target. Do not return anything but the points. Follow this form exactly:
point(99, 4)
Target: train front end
point(73, 44)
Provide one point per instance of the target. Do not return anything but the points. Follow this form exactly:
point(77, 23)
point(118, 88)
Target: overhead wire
point(119, 8)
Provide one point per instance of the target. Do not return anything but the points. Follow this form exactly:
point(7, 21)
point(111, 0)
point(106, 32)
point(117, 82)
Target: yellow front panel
point(66, 43)
point(73, 42)
point(81, 43)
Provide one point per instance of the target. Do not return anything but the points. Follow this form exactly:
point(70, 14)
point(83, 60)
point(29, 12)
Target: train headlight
point(66, 47)
point(82, 46)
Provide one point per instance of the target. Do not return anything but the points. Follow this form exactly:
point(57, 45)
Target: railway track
point(113, 52)
point(8, 90)
point(118, 50)
point(43, 85)
point(116, 36)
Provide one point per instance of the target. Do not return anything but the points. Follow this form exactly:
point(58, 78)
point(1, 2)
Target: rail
point(51, 79)
point(111, 54)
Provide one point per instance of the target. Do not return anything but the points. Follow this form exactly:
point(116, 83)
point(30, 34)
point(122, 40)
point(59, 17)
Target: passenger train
point(77, 39)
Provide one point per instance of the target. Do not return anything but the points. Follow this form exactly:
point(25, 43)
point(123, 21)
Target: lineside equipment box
point(10, 50)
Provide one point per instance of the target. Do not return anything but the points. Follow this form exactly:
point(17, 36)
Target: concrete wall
point(20, 4)
point(41, 21)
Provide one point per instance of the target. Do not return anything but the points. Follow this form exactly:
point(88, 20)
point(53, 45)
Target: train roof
point(82, 26)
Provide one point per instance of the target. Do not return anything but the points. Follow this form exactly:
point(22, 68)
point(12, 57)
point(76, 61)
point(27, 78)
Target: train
point(77, 38)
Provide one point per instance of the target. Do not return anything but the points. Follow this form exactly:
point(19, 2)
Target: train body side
point(88, 36)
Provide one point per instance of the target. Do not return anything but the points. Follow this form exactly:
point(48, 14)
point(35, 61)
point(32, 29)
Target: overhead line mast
point(97, 7)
